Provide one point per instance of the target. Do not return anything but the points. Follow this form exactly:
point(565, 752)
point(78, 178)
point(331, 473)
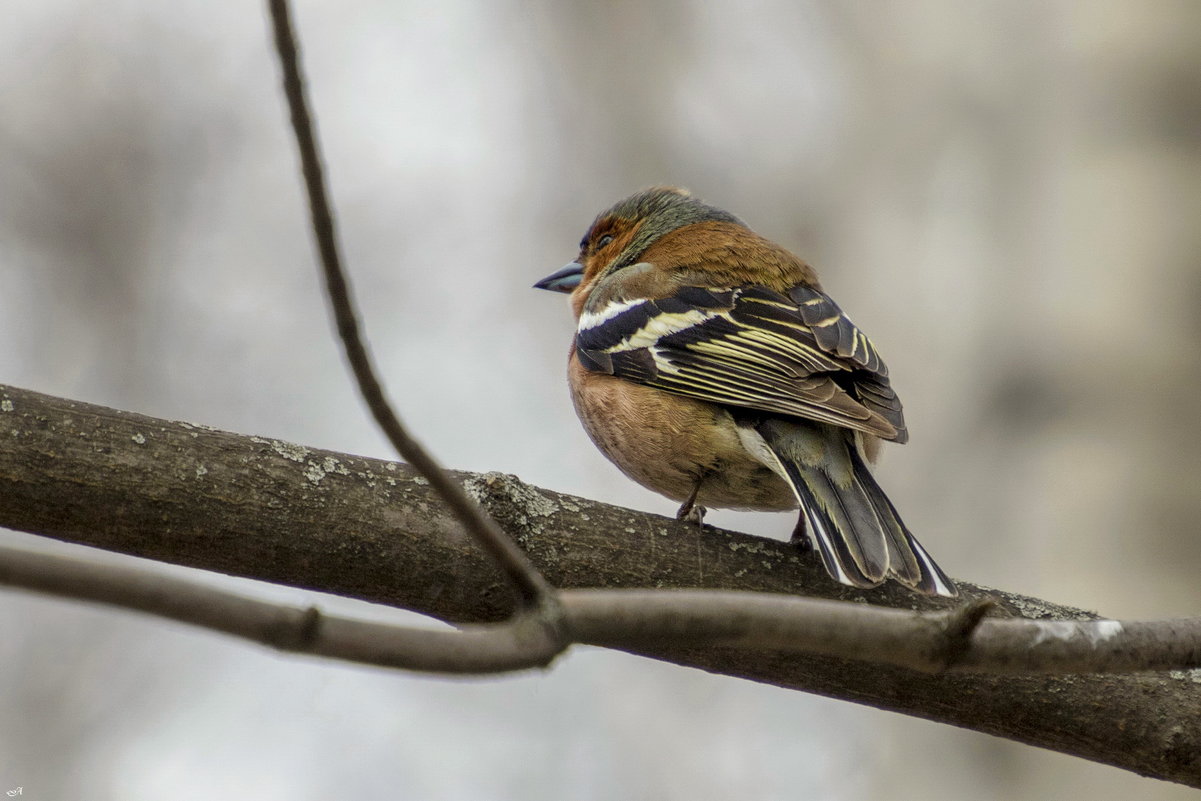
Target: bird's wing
point(795, 354)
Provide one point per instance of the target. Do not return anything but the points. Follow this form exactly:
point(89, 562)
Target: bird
point(710, 367)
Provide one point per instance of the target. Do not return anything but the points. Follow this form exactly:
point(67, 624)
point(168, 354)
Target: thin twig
point(531, 587)
point(879, 635)
point(630, 618)
point(523, 642)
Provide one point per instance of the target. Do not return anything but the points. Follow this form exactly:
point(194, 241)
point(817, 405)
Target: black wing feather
point(794, 354)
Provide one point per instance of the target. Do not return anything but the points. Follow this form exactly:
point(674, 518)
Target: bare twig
point(520, 643)
point(528, 582)
point(879, 635)
point(629, 618)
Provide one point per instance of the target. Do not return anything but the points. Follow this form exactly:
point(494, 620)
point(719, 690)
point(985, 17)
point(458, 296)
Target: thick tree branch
point(274, 511)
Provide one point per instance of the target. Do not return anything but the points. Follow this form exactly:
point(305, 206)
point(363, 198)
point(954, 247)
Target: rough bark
point(370, 529)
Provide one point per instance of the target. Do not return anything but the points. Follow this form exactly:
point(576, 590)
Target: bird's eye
point(603, 241)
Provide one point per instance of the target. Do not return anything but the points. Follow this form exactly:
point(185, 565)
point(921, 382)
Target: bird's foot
point(800, 536)
point(692, 512)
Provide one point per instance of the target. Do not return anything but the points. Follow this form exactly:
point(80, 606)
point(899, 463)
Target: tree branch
point(932, 642)
point(529, 584)
point(278, 512)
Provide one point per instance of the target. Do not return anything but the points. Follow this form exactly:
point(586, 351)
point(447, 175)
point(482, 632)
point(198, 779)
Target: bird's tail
point(851, 522)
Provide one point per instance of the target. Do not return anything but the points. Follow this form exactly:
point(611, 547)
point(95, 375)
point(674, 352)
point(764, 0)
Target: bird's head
point(620, 235)
point(655, 242)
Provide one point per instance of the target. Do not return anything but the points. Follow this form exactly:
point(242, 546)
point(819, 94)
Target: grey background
point(1004, 195)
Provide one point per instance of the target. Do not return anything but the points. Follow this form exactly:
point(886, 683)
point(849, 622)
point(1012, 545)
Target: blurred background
point(1005, 195)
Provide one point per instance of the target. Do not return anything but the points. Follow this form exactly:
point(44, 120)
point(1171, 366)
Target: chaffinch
point(710, 367)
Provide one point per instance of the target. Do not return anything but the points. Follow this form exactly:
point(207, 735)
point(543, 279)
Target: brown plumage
point(710, 367)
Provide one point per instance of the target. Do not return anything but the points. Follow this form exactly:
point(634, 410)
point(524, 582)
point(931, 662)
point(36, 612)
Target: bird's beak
point(564, 280)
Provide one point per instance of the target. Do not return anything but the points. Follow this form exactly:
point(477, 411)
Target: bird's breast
point(668, 442)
